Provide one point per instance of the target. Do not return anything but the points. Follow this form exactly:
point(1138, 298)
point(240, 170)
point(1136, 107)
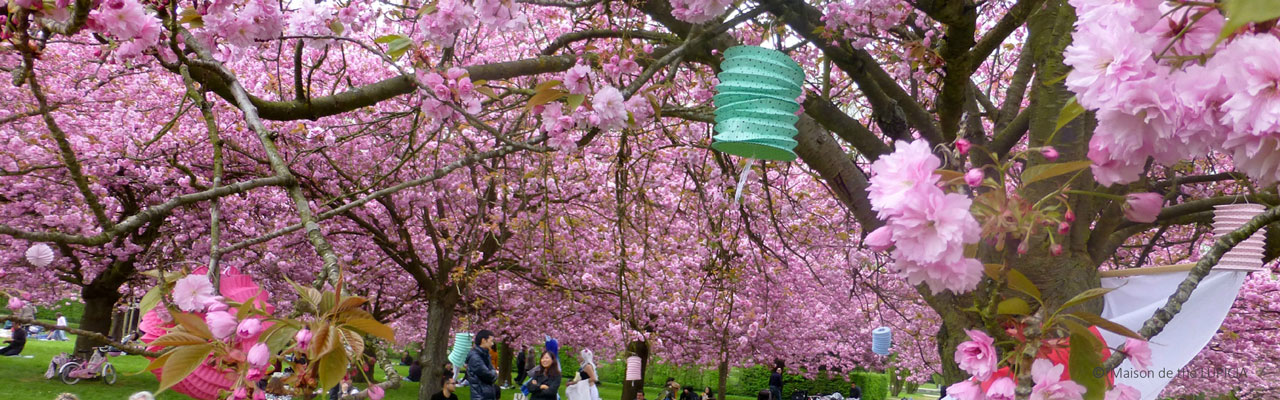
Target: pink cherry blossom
point(376, 392)
point(442, 27)
point(935, 227)
point(16, 303)
point(221, 323)
point(259, 355)
point(963, 146)
point(240, 393)
point(502, 15)
point(1049, 153)
point(248, 328)
point(1002, 389)
point(699, 11)
point(578, 79)
point(303, 338)
point(1138, 353)
point(1103, 59)
point(193, 292)
point(1254, 106)
point(880, 239)
point(965, 390)
point(898, 175)
point(1049, 384)
point(1123, 392)
point(978, 355)
point(1143, 207)
point(610, 110)
point(974, 177)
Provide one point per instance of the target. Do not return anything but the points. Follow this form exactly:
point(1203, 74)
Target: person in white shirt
point(60, 335)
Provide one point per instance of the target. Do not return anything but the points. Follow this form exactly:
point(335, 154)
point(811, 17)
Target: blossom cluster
point(1135, 63)
point(856, 20)
point(926, 227)
point(442, 26)
point(245, 25)
point(454, 87)
point(698, 11)
point(127, 22)
point(1049, 375)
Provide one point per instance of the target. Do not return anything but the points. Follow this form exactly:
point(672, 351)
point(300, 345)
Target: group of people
point(673, 391)
point(540, 382)
point(774, 392)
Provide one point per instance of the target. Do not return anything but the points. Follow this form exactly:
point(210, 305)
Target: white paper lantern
point(40, 255)
point(634, 366)
point(1247, 253)
point(881, 340)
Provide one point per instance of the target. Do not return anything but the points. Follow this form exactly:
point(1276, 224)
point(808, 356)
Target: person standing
point(447, 388)
point(545, 384)
point(587, 374)
point(480, 373)
point(520, 365)
point(60, 335)
point(775, 381)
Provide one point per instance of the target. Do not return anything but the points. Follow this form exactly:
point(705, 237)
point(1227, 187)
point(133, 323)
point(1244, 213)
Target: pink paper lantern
point(634, 372)
point(1248, 253)
point(207, 381)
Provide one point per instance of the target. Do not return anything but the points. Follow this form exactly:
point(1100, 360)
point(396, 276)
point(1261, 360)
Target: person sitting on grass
point(18, 341)
point(415, 371)
point(447, 388)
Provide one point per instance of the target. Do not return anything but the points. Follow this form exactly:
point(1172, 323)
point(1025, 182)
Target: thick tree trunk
point(99, 304)
point(630, 388)
point(723, 372)
point(504, 363)
point(436, 346)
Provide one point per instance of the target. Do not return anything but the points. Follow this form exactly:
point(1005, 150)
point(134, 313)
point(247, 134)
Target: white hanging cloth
point(1137, 299)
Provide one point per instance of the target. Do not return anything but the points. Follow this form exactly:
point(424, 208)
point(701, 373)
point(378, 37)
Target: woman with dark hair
point(545, 384)
point(775, 380)
point(706, 394)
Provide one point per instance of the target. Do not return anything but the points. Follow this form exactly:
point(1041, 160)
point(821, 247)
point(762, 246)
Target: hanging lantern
point(461, 347)
point(881, 340)
point(40, 255)
point(634, 372)
point(1247, 253)
point(756, 104)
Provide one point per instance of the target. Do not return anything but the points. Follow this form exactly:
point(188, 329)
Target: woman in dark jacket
point(545, 383)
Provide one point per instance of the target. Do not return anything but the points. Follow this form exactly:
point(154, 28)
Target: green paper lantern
point(756, 104)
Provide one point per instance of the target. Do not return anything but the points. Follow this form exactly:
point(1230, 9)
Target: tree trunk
point(99, 306)
point(723, 372)
point(630, 388)
point(436, 346)
point(504, 364)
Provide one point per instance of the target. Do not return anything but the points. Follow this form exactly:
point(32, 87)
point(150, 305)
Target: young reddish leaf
point(1104, 323)
point(178, 339)
point(373, 327)
point(192, 323)
point(182, 362)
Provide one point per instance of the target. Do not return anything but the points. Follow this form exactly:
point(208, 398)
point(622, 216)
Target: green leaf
point(1106, 324)
point(373, 327)
point(385, 39)
point(398, 47)
point(574, 101)
point(546, 85)
point(993, 271)
point(1041, 172)
point(336, 27)
point(544, 97)
point(1019, 282)
point(488, 91)
point(278, 336)
point(182, 361)
point(193, 323)
point(246, 308)
point(1013, 306)
point(1084, 296)
point(151, 299)
point(1086, 363)
point(427, 8)
point(1069, 112)
point(1243, 12)
point(155, 364)
point(178, 339)
point(332, 367)
point(327, 302)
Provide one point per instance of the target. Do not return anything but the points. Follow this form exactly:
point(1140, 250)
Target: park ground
point(23, 378)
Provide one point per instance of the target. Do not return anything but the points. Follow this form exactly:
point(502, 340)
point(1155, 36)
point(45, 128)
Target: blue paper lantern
point(756, 104)
point(881, 340)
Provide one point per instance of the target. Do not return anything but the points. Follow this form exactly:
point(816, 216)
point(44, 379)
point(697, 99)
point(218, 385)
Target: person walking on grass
point(545, 383)
point(587, 374)
point(60, 334)
point(520, 365)
point(480, 372)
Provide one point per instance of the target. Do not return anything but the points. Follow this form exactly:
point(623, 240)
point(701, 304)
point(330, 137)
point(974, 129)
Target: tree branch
point(93, 335)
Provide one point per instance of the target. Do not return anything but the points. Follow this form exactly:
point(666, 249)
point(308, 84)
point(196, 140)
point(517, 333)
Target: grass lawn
point(23, 378)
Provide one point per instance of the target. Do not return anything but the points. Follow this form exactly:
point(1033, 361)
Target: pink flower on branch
point(193, 293)
point(1143, 207)
point(978, 355)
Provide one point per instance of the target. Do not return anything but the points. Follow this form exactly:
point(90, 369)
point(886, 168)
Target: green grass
point(23, 378)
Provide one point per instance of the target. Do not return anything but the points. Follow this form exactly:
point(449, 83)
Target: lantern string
point(742, 180)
